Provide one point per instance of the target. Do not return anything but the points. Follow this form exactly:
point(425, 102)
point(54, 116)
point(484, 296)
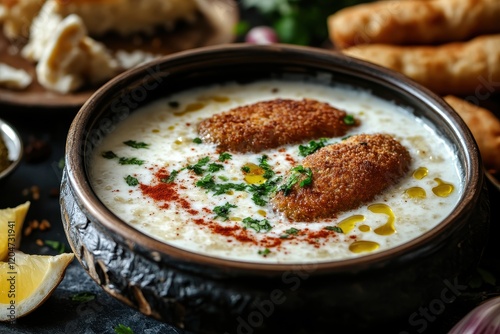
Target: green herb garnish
point(208, 182)
point(131, 181)
point(213, 167)
point(225, 156)
point(260, 192)
point(245, 169)
point(296, 173)
point(257, 225)
point(171, 177)
point(122, 329)
point(268, 172)
point(135, 144)
point(264, 252)
point(223, 211)
point(83, 297)
point(334, 229)
point(56, 245)
point(130, 161)
point(198, 167)
point(311, 147)
point(197, 140)
point(290, 231)
point(349, 120)
point(109, 155)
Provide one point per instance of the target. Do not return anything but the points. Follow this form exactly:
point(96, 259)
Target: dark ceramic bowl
point(204, 294)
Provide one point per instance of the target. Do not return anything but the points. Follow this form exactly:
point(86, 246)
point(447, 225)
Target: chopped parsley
point(311, 147)
point(295, 176)
point(213, 167)
point(56, 245)
point(257, 225)
point(172, 176)
point(268, 172)
point(197, 140)
point(225, 156)
point(264, 252)
point(109, 155)
point(122, 329)
point(334, 229)
point(208, 182)
point(245, 169)
point(262, 191)
point(349, 120)
point(223, 211)
point(130, 161)
point(83, 297)
point(135, 144)
point(198, 167)
point(131, 181)
point(290, 231)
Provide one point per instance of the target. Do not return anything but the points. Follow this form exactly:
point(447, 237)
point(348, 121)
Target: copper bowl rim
point(428, 242)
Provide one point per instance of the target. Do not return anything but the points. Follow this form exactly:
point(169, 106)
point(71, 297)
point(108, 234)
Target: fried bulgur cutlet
point(341, 177)
point(270, 124)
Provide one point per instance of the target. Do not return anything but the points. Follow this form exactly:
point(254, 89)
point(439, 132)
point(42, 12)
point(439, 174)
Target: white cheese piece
point(14, 78)
point(71, 59)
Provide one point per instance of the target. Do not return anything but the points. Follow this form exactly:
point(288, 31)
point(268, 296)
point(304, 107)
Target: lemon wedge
point(11, 225)
point(28, 280)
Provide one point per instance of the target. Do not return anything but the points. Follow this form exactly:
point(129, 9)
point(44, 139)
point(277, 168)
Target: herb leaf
point(131, 181)
point(122, 329)
point(225, 156)
point(349, 120)
point(223, 211)
point(171, 177)
point(262, 191)
point(135, 144)
point(197, 140)
point(334, 229)
point(198, 167)
point(212, 168)
point(264, 252)
point(268, 172)
point(130, 161)
point(296, 173)
point(311, 147)
point(83, 297)
point(257, 225)
point(56, 245)
point(109, 155)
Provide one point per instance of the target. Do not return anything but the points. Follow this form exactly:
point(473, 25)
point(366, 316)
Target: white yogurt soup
point(156, 173)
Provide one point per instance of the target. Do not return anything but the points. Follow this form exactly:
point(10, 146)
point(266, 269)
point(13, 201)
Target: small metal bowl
point(15, 147)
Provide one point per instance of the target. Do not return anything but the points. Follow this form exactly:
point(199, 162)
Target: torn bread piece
point(126, 17)
point(485, 128)
point(71, 59)
point(413, 22)
point(452, 68)
point(16, 17)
